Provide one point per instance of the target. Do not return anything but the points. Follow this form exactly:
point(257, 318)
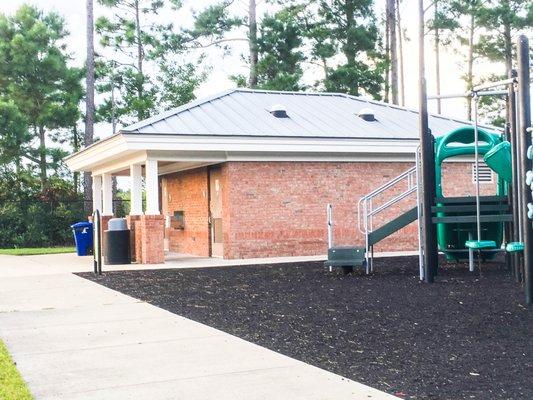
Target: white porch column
point(97, 193)
point(152, 188)
point(136, 201)
point(107, 194)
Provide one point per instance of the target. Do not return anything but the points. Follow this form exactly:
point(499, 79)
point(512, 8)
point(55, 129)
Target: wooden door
point(215, 212)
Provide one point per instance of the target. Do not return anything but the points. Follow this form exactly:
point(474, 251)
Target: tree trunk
point(387, 58)
point(391, 18)
point(508, 48)
point(349, 48)
point(88, 136)
point(400, 48)
point(437, 59)
point(113, 102)
point(140, 58)
point(42, 156)
point(252, 43)
point(76, 175)
point(470, 73)
point(325, 67)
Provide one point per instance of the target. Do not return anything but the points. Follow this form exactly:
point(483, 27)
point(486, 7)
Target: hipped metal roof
point(245, 112)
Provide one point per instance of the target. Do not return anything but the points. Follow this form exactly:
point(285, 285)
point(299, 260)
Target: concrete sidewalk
point(74, 339)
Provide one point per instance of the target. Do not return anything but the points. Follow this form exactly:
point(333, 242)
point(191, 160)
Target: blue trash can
point(83, 236)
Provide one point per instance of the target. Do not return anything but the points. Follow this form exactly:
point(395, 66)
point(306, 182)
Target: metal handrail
point(365, 202)
point(384, 187)
point(392, 201)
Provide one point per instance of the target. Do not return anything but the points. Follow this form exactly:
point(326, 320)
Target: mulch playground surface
point(464, 337)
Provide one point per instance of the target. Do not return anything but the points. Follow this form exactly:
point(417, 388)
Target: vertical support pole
point(136, 202)
point(97, 240)
point(508, 226)
point(427, 161)
point(419, 216)
point(107, 194)
point(152, 188)
point(97, 193)
point(515, 155)
point(329, 211)
point(470, 255)
point(524, 119)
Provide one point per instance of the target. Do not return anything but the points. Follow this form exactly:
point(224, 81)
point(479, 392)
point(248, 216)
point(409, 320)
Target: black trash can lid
point(83, 224)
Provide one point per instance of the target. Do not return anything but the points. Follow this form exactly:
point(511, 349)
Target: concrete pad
point(95, 335)
point(74, 339)
point(282, 383)
point(88, 314)
point(53, 292)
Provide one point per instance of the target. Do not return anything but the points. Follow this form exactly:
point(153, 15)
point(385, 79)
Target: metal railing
point(366, 209)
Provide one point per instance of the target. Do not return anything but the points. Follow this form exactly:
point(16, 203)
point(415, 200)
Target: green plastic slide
point(499, 160)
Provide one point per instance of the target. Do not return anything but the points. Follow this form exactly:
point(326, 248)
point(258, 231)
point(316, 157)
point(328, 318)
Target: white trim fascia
point(118, 152)
point(97, 153)
point(120, 164)
point(259, 145)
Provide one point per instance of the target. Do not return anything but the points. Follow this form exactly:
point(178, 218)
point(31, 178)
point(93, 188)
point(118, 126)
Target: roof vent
point(366, 114)
point(278, 111)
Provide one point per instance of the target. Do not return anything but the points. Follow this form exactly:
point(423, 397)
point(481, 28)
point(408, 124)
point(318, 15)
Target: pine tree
point(37, 79)
point(137, 40)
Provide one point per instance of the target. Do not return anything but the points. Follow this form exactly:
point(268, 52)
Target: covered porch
point(141, 173)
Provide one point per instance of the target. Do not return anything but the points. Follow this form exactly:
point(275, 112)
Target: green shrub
point(31, 217)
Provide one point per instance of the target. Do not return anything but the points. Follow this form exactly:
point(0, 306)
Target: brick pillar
point(138, 241)
point(132, 220)
point(105, 219)
point(151, 229)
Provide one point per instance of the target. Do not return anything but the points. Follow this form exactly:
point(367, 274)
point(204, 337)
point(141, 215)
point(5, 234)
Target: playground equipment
point(448, 223)
point(519, 234)
point(345, 257)
point(455, 217)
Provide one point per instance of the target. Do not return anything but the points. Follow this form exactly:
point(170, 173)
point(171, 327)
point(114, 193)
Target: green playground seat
point(480, 244)
point(514, 247)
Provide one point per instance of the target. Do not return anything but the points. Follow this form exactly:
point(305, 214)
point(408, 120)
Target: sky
point(452, 63)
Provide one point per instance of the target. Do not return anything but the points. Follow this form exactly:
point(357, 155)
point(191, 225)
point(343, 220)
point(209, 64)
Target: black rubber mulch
point(463, 337)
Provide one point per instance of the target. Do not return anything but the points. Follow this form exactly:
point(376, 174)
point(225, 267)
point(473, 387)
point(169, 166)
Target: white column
point(152, 188)
point(97, 193)
point(136, 201)
point(107, 194)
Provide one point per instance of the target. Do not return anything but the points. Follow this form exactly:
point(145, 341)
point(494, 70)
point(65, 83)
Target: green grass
point(33, 251)
point(12, 386)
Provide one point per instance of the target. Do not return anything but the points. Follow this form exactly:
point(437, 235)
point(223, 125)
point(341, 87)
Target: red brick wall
point(279, 208)
point(457, 180)
point(187, 191)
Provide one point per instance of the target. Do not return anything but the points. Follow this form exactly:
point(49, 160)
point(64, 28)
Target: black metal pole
point(97, 242)
point(515, 192)
point(524, 121)
point(427, 162)
point(509, 257)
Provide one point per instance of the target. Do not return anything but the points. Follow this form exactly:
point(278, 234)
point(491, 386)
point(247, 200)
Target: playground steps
point(392, 226)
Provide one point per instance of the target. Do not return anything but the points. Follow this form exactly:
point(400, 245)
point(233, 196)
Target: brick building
point(248, 173)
